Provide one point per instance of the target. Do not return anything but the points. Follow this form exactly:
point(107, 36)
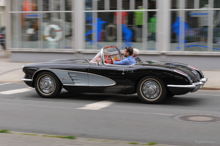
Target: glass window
point(68, 31)
point(174, 4)
point(88, 6)
point(29, 30)
point(216, 4)
point(28, 5)
point(101, 5)
point(204, 4)
point(46, 5)
point(138, 4)
point(56, 5)
point(100, 32)
point(139, 30)
point(216, 31)
point(189, 4)
point(68, 5)
point(196, 31)
point(113, 4)
point(126, 4)
point(52, 31)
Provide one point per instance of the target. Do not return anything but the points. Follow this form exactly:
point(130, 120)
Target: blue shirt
point(127, 61)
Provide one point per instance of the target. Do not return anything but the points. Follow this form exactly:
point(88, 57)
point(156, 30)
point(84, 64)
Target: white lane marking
point(97, 105)
point(101, 104)
point(9, 92)
point(4, 84)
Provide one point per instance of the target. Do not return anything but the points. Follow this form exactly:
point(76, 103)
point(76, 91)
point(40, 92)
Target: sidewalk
point(12, 72)
point(7, 139)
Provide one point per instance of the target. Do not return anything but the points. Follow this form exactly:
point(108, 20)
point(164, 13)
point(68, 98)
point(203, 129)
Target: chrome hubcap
point(46, 84)
point(151, 89)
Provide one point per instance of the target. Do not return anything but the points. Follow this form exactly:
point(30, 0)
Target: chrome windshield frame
point(102, 53)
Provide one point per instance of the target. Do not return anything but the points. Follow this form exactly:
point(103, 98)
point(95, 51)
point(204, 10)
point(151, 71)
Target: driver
point(127, 61)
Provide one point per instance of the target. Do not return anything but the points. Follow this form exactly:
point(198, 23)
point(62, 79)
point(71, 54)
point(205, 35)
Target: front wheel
point(47, 85)
point(151, 90)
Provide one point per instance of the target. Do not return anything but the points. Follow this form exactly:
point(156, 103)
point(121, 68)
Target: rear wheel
point(47, 85)
point(151, 90)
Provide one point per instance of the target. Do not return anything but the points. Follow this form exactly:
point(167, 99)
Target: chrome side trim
point(27, 80)
point(73, 85)
point(182, 86)
point(87, 85)
point(186, 86)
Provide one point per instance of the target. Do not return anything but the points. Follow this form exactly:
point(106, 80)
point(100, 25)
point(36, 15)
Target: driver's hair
point(129, 50)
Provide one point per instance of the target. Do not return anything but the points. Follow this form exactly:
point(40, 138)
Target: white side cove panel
point(77, 78)
point(72, 78)
point(97, 80)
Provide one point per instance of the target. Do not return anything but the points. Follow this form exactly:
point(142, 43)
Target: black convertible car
point(152, 81)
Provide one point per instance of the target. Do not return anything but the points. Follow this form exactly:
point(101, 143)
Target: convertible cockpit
point(106, 55)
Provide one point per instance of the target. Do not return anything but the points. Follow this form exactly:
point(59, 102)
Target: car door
point(108, 76)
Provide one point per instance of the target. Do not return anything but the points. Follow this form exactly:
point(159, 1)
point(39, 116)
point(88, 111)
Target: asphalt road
point(109, 116)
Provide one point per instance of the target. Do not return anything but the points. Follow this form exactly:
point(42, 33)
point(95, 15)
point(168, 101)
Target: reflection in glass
point(56, 5)
point(29, 5)
point(113, 4)
point(68, 30)
point(100, 33)
point(204, 3)
point(46, 5)
point(29, 30)
point(101, 4)
point(68, 5)
point(52, 30)
point(88, 5)
point(216, 31)
point(216, 4)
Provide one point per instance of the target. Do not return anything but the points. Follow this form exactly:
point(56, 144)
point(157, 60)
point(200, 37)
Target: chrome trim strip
point(73, 85)
point(87, 85)
point(27, 80)
point(186, 86)
point(57, 70)
point(182, 86)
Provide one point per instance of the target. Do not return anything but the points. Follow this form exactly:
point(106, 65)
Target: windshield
point(108, 53)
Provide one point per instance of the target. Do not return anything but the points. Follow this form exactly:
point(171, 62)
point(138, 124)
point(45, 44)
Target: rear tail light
point(1, 36)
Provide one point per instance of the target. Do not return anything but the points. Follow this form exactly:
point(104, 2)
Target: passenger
point(135, 55)
point(127, 61)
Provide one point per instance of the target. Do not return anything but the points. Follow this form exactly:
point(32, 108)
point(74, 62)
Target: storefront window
point(136, 28)
point(51, 29)
point(195, 30)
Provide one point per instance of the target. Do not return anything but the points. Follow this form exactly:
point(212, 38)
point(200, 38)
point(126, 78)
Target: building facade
point(174, 30)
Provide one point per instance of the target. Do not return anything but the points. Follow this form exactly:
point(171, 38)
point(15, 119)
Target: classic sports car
point(152, 81)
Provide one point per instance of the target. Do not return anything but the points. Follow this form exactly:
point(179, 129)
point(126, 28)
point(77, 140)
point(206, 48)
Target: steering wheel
point(109, 60)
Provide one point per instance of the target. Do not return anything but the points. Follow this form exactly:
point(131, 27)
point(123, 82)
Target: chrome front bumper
point(194, 86)
point(27, 80)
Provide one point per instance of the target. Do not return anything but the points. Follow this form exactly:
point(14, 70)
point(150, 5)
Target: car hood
point(176, 66)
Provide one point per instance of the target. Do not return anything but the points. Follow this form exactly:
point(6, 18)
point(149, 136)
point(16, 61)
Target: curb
point(105, 141)
point(210, 88)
